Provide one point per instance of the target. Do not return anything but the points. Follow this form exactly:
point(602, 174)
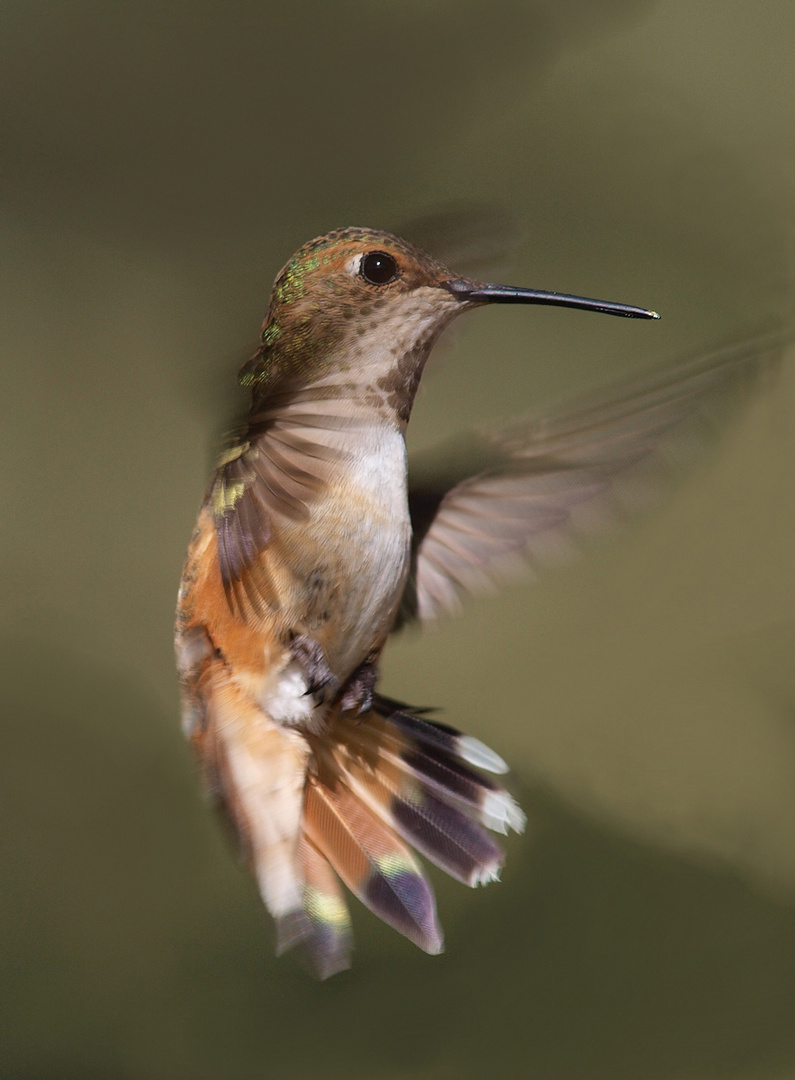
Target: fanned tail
point(390, 779)
point(347, 803)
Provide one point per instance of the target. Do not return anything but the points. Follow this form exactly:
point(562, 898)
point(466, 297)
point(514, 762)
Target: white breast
point(357, 542)
point(372, 537)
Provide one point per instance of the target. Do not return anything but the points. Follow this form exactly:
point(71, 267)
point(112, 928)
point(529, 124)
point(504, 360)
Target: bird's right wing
point(533, 488)
point(273, 473)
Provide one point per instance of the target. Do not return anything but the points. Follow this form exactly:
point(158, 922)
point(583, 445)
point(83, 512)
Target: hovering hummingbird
point(311, 547)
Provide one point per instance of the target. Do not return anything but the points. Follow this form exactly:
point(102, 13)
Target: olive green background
point(160, 162)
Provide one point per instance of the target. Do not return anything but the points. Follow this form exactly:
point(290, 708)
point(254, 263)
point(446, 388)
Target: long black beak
point(478, 292)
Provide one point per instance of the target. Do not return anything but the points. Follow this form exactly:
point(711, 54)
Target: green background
point(160, 162)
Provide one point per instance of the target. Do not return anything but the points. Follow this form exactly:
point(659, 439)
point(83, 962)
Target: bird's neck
point(372, 367)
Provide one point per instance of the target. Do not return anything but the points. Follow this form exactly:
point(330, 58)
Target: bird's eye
point(378, 268)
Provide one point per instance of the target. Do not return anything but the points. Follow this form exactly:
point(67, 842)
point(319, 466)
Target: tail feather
point(438, 770)
point(426, 732)
point(323, 925)
point(375, 865)
point(419, 812)
point(448, 838)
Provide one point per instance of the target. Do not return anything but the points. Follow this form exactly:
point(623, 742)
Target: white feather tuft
point(501, 812)
point(485, 875)
point(285, 699)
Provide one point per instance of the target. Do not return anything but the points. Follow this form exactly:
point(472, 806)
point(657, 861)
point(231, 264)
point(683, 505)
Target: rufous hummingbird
point(311, 546)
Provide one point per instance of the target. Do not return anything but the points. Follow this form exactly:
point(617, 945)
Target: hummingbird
point(312, 546)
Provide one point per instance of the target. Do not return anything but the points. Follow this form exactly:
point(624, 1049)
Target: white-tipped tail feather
point(481, 756)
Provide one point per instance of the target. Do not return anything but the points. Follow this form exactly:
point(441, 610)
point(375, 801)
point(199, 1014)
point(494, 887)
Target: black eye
point(378, 268)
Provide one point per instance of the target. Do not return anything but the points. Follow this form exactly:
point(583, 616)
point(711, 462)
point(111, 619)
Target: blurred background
point(160, 162)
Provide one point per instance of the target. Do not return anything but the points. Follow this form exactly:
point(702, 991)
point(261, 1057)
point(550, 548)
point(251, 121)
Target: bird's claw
point(357, 696)
point(321, 682)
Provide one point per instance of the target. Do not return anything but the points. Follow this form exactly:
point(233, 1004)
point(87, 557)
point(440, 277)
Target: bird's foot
point(321, 682)
point(357, 696)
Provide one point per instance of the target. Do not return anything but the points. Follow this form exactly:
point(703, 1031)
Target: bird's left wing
point(534, 488)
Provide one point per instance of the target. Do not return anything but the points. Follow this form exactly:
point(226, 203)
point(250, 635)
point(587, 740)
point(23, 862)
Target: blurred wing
point(532, 488)
point(271, 476)
point(472, 237)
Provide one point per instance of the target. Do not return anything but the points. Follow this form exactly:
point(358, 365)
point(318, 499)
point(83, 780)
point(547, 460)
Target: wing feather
point(539, 485)
point(270, 477)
